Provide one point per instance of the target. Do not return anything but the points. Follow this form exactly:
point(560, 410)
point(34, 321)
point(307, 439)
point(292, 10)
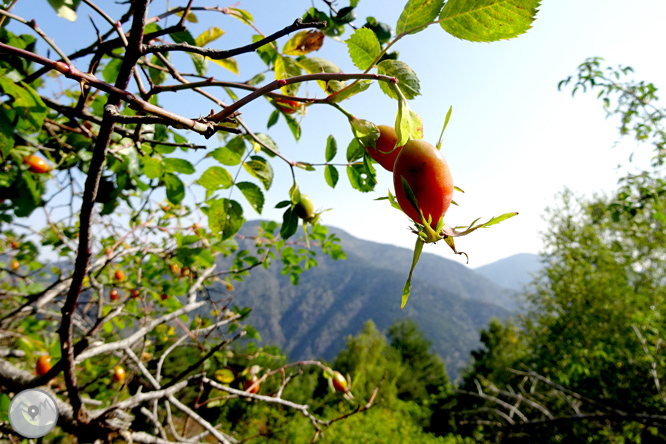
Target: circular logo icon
point(33, 413)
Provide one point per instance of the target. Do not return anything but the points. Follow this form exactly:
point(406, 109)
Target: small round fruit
point(36, 164)
point(119, 275)
point(15, 265)
point(424, 168)
point(113, 295)
point(119, 374)
point(385, 143)
point(175, 269)
point(339, 382)
point(305, 207)
point(43, 365)
point(288, 106)
point(248, 385)
point(135, 294)
point(15, 245)
point(185, 272)
point(164, 296)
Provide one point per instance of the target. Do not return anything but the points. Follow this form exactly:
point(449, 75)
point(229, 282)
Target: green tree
point(587, 364)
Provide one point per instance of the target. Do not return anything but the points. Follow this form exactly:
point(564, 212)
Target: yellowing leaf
point(303, 43)
point(209, 35)
point(229, 63)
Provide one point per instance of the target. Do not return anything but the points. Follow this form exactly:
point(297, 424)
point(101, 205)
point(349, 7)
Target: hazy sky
point(514, 142)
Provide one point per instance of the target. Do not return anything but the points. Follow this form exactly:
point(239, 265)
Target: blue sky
point(514, 142)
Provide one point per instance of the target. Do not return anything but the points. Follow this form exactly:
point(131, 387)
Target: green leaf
point(215, 178)
point(253, 194)
point(27, 104)
point(363, 48)
point(266, 140)
point(365, 131)
point(242, 15)
point(331, 148)
point(200, 64)
point(407, 80)
point(354, 150)
point(349, 91)
point(226, 156)
point(175, 190)
point(403, 123)
point(261, 169)
point(417, 14)
point(294, 125)
point(174, 165)
point(286, 67)
point(183, 37)
point(451, 232)
point(304, 42)
point(331, 175)
point(6, 135)
point(156, 75)
point(358, 178)
point(415, 259)
point(316, 65)
point(488, 20)
point(65, 8)
point(225, 218)
point(273, 119)
point(266, 52)
point(111, 70)
point(289, 223)
point(152, 168)
point(209, 35)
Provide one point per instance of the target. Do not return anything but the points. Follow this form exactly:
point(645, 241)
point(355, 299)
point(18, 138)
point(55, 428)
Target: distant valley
point(449, 301)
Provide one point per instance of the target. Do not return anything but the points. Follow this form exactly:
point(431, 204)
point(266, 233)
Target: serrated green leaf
point(358, 178)
point(266, 140)
point(354, 150)
point(175, 165)
point(215, 178)
point(316, 65)
point(289, 223)
point(175, 190)
point(183, 37)
point(225, 218)
point(304, 42)
point(365, 131)
point(209, 35)
point(417, 14)
point(152, 168)
point(488, 20)
point(253, 194)
point(331, 148)
point(111, 70)
point(229, 64)
point(226, 156)
point(349, 91)
point(408, 82)
point(331, 175)
point(286, 67)
point(261, 169)
point(363, 48)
